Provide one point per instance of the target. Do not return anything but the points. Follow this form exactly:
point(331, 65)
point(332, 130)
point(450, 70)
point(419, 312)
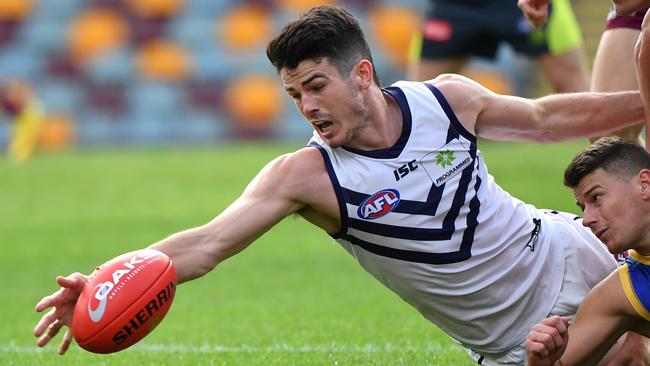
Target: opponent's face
point(612, 209)
point(626, 7)
point(334, 105)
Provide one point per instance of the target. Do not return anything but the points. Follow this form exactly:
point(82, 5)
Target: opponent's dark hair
point(619, 157)
point(323, 32)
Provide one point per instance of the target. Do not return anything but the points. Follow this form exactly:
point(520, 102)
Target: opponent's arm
point(603, 316)
point(547, 341)
point(553, 118)
point(642, 53)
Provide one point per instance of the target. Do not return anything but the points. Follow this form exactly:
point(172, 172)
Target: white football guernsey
point(426, 219)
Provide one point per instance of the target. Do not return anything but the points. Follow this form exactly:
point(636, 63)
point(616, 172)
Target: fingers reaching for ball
point(61, 304)
point(115, 307)
point(65, 343)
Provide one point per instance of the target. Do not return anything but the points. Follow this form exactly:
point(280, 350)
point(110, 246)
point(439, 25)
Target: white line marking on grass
point(246, 348)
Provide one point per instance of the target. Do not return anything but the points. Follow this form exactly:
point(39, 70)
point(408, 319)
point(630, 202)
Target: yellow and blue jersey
point(635, 278)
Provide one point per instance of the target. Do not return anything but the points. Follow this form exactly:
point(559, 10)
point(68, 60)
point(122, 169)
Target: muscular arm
point(553, 118)
point(296, 182)
point(603, 317)
point(276, 192)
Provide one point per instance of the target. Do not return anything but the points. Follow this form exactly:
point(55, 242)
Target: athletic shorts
point(461, 29)
point(587, 262)
point(632, 21)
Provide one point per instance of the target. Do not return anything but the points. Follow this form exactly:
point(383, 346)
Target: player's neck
point(643, 245)
point(388, 118)
point(382, 126)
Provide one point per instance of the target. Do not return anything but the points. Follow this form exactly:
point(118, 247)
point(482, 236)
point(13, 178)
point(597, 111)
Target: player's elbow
point(544, 129)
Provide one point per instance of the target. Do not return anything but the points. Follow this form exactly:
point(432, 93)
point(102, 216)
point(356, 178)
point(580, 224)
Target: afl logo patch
point(378, 204)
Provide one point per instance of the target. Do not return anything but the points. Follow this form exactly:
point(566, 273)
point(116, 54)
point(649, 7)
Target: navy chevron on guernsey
point(427, 207)
point(441, 226)
point(419, 233)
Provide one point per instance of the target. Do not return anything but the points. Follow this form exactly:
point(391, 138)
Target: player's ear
point(644, 181)
point(363, 71)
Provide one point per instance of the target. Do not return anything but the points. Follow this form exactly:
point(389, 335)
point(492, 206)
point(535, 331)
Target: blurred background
point(77, 76)
point(136, 72)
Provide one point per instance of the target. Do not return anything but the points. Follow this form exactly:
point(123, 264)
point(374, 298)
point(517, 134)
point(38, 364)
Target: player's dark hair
point(619, 157)
point(323, 32)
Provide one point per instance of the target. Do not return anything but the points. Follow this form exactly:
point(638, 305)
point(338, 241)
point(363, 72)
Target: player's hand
point(536, 11)
point(547, 341)
point(62, 303)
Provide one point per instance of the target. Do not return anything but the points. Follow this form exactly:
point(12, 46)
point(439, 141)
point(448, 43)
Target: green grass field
point(293, 298)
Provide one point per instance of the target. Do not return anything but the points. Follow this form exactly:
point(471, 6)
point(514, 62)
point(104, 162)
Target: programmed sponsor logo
point(446, 162)
point(444, 177)
point(378, 204)
point(97, 303)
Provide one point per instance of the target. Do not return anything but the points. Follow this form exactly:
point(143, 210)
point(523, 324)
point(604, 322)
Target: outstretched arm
point(553, 118)
point(283, 187)
point(269, 198)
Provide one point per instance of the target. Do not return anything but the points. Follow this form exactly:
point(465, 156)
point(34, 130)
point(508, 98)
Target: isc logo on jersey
point(378, 204)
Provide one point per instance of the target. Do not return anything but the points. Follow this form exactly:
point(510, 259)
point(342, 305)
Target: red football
point(124, 300)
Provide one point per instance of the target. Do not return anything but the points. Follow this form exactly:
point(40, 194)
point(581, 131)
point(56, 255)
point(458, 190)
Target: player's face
point(611, 209)
point(332, 104)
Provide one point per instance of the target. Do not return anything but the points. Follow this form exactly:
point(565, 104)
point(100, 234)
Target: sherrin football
point(124, 300)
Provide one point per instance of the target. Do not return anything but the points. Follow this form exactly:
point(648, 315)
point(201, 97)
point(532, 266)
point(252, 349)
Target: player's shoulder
point(633, 278)
point(452, 85)
point(466, 97)
point(300, 165)
point(307, 159)
point(615, 288)
point(300, 175)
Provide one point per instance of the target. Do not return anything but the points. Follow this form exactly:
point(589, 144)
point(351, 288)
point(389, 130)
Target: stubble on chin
point(362, 125)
